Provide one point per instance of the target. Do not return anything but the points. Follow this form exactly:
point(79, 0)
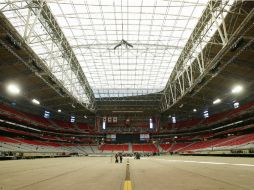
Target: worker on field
point(116, 158)
point(121, 158)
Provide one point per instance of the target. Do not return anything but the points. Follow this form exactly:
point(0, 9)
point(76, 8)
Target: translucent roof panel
point(127, 47)
point(38, 38)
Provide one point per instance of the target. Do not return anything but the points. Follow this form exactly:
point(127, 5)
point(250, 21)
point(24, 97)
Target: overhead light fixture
point(174, 119)
point(236, 105)
point(72, 120)
point(194, 110)
point(237, 89)
point(217, 101)
point(206, 114)
point(36, 101)
point(59, 111)
point(151, 123)
point(46, 114)
point(13, 89)
point(85, 116)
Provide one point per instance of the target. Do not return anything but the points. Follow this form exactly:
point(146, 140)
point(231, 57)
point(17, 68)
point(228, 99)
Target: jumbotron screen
point(127, 138)
point(111, 137)
point(144, 137)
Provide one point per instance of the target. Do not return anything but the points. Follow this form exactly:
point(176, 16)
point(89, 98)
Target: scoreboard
point(144, 137)
point(111, 137)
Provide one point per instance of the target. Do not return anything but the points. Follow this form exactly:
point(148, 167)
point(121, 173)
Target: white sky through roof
point(157, 29)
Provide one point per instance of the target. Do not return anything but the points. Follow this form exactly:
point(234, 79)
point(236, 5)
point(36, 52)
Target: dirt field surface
point(101, 173)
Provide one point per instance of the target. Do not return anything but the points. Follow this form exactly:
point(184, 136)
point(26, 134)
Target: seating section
point(61, 137)
point(249, 138)
point(42, 122)
point(144, 148)
point(242, 109)
point(251, 126)
point(137, 148)
point(178, 146)
point(63, 126)
point(83, 126)
point(184, 124)
point(229, 114)
point(150, 148)
point(8, 144)
point(94, 148)
point(114, 147)
point(8, 140)
point(25, 145)
point(165, 147)
point(205, 144)
point(216, 118)
point(17, 131)
point(229, 142)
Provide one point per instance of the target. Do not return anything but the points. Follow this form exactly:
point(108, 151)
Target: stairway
point(170, 148)
point(183, 148)
point(130, 147)
point(159, 148)
point(53, 124)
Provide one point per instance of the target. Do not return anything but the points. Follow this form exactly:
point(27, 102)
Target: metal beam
point(39, 13)
point(195, 37)
point(48, 21)
point(202, 76)
point(30, 57)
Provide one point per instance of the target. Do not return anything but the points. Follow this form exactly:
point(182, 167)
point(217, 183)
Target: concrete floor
point(61, 174)
point(187, 173)
point(159, 173)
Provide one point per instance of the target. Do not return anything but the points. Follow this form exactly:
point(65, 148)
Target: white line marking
point(202, 162)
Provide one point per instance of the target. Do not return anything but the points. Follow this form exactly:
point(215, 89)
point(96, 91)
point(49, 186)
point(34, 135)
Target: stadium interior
point(166, 84)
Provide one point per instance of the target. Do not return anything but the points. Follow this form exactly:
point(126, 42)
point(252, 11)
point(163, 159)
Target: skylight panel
point(41, 43)
point(156, 32)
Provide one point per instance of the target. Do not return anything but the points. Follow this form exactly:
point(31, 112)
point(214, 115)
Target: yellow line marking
point(127, 185)
point(127, 181)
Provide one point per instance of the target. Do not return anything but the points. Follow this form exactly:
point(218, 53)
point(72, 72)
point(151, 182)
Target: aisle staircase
point(159, 148)
point(130, 147)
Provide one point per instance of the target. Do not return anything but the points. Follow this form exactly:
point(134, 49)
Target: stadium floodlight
point(174, 119)
point(236, 105)
point(36, 101)
point(206, 114)
point(13, 89)
point(72, 120)
point(46, 114)
point(59, 111)
point(104, 125)
point(237, 89)
point(217, 101)
point(194, 110)
point(151, 123)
